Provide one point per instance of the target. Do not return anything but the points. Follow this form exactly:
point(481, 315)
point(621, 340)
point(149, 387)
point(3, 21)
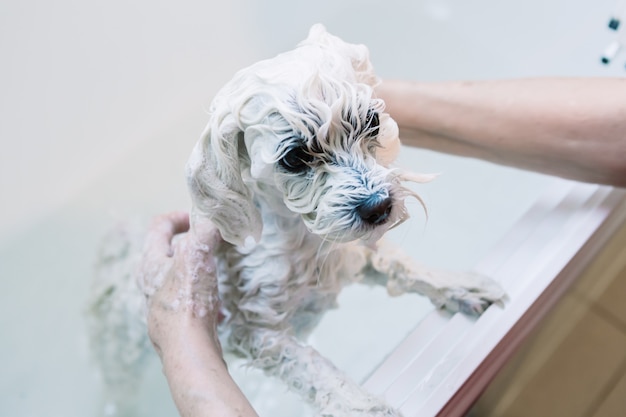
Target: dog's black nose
point(375, 210)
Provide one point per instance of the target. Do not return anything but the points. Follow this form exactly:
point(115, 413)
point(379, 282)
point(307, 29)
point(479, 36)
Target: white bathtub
point(102, 103)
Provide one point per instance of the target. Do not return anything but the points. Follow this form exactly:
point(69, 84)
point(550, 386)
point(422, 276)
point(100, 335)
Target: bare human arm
point(569, 127)
point(179, 281)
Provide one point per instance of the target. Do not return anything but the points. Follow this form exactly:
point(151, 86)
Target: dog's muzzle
point(375, 210)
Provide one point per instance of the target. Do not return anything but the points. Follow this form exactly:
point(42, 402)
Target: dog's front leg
point(467, 292)
point(308, 373)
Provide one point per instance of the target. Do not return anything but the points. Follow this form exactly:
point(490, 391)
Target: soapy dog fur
point(295, 169)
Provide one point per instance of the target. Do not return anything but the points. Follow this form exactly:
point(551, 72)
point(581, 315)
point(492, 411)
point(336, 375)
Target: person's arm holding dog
point(573, 128)
point(180, 285)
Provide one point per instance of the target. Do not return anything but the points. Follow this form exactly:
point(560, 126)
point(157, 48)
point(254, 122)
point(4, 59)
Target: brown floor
point(574, 365)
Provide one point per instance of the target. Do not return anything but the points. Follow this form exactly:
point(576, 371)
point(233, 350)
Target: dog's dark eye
point(372, 123)
point(296, 159)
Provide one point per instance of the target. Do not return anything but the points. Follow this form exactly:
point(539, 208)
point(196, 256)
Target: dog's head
point(304, 132)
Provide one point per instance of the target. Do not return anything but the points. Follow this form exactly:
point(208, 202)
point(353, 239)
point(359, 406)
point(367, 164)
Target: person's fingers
point(158, 251)
point(161, 232)
point(206, 236)
point(195, 255)
point(180, 221)
point(202, 243)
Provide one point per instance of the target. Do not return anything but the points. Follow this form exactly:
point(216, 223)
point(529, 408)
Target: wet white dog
point(294, 169)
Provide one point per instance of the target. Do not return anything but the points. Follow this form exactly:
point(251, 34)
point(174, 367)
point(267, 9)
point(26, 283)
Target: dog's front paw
point(383, 411)
point(378, 411)
point(349, 399)
point(471, 294)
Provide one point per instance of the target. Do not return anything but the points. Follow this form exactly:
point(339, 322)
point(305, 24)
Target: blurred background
point(102, 101)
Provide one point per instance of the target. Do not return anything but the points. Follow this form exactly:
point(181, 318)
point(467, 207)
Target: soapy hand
point(177, 276)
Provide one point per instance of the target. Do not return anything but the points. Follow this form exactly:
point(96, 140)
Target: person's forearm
point(198, 378)
point(574, 128)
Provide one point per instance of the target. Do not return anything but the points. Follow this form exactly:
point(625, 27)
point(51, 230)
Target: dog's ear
point(358, 54)
point(214, 177)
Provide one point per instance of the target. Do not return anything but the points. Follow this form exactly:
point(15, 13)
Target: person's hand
point(177, 276)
